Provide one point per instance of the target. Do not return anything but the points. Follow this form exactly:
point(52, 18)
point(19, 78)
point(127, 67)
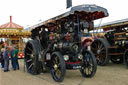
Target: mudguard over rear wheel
point(57, 67)
point(89, 64)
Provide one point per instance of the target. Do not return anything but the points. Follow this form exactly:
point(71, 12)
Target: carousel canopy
point(11, 25)
point(12, 30)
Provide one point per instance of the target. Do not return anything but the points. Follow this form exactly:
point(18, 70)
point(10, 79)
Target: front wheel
point(57, 67)
point(89, 64)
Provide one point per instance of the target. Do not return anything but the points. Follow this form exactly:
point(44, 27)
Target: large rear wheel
point(89, 65)
point(57, 67)
point(32, 56)
point(100, 49)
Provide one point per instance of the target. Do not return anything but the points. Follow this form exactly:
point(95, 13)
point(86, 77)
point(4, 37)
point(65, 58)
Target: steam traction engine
point(56, 44)
point(114, 45)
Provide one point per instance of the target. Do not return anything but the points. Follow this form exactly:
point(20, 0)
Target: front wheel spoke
point(56, 59)
point(58, 72)
point(87, 71)
point(90, 59)
point(91, 64)
point(90, 70)
point(58, 65)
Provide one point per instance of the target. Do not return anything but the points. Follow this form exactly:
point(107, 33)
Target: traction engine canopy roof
point(88, 12)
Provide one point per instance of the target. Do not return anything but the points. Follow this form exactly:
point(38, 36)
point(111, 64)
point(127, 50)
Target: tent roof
point(123, 22)
point(11, 24)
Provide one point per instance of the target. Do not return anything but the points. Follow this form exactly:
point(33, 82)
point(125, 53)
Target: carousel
point(14, 34)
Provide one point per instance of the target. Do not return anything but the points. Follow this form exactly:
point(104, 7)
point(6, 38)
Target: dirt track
point(112, 74)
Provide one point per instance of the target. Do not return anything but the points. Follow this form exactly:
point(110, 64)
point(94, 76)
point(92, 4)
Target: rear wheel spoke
point(28, 54)
point(30, 66)
point(29, 60)
point(100, 52)
point(30, 49)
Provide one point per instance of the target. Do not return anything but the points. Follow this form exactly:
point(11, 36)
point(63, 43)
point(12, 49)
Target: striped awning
point(10, 25)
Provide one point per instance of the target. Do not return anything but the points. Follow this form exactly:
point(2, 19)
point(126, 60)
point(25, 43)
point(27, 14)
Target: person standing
point(2, 59)
point(15, 56)
point(6, 60)
point(12, 58)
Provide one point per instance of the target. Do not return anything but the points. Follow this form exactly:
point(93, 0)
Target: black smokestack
point(69, 3)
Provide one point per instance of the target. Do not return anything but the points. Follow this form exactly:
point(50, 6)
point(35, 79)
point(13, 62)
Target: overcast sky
point(29, 12)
